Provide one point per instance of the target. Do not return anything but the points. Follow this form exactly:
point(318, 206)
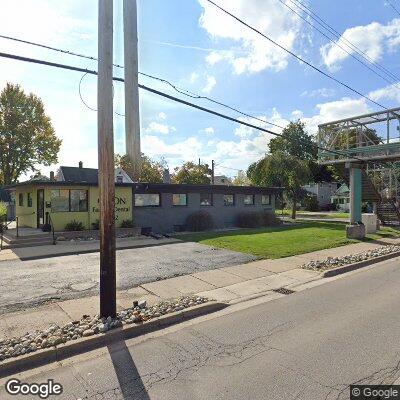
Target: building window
point(147, 200)
point(179, 199)
point(21, 199)
point(59, 200)
point(249, 199)
point(120, 179)
point(78, 200)
point(206, 199)
point(29, 199)
point(266, 199)
point(229, 200)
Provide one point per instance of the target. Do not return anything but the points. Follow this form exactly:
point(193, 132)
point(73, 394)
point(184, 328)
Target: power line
point(313, 15)
point(336, 43)
point(296, 56)
point(392, 5)
point(174, 87)
point(159, 93)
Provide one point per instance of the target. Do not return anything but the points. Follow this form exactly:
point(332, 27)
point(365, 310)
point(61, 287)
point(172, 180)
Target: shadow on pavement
point(130, 382)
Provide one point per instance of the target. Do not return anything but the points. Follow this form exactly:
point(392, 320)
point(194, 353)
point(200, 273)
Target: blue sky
point(195, 46)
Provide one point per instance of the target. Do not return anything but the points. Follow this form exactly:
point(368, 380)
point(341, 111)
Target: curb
point(352, 267)
point(39, 358)
point(88, 251)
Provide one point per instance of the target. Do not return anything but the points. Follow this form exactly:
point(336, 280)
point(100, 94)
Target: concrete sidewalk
point(63, 248)
point(228, 284)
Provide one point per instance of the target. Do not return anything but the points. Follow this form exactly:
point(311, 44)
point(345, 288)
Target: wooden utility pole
point(132, 119)
point(212, 172)
point(106, 160)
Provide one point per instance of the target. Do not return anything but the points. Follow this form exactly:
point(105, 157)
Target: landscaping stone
point(333, 262)
point(91, 325)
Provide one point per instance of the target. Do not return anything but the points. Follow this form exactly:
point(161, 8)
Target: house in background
point(323, 192)
point(222, 180)
point(342, 198)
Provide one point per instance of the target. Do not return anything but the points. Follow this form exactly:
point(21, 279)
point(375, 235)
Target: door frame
point(38, 208)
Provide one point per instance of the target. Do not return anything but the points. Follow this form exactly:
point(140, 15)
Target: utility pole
point(132, 119)
point(212, 172)
point(106, 160)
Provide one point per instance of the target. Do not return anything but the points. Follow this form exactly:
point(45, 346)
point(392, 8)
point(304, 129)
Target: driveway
point(29, 283)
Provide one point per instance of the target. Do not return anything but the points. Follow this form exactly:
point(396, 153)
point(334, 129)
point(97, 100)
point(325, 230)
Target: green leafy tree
point(297, 142)
point(284, 170)
point(150, 171)
point(192, 173)
point(241, 179)
point(27, 137)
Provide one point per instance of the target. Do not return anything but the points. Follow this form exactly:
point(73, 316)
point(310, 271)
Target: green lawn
point(282, 241)
point(316, 214)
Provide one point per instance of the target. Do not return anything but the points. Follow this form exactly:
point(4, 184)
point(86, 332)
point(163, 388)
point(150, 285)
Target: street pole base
point(355, 231)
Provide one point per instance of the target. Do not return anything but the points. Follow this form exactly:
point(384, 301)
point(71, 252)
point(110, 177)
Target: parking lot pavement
point(34, 282)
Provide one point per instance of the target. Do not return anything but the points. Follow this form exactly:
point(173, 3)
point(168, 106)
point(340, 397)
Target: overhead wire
point(162, 94)
point(295, 55)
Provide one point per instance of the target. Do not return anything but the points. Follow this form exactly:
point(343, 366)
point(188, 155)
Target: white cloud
point(162, 116)
point(391, 92)
point(209, 131)
point(193, 77)
point(372, 39)
point(269, 16)
point(156, 127)
point(211, 82)
point(322, 92)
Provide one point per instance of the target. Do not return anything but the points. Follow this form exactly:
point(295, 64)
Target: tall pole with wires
point(106, 160)
point(132, 118)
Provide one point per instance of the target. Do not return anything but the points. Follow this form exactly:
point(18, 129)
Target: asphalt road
point(309, 345)
point(28, 283)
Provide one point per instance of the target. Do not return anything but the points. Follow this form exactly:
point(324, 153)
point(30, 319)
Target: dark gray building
point(165, 207)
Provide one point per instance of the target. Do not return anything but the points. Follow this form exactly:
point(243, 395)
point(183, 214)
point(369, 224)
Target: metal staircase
point(387, 210)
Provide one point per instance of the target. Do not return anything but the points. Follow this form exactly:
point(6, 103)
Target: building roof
point(163, 187)
point(76, 174)
point(4, 195)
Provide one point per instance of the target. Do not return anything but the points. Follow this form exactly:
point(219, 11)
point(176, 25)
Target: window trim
point(29, 197)
point(269, 201)
point(212, 200)
point(147, 206)
point(254, 200)
point(20, 199)
point(69, 201)
point(233, 202)
point(180, 205)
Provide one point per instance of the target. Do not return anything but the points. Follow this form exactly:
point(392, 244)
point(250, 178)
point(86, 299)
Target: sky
point(198, 48)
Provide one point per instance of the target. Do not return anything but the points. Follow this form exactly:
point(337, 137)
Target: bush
point(127, 223)
point(3, 210)
point(199, 221)
point(311, 203)
point(74, 226)
point(256, 219)
point(96, 225)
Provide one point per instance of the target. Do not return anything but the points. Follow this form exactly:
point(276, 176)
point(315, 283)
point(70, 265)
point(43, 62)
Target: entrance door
point(40, 208)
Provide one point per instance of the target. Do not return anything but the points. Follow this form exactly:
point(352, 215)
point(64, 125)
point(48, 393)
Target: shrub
point(96, 225)
point(311, 203)
point(3, 210)
point(74, 226)
point(199, 221)
point(127, 223)
point(256, 219)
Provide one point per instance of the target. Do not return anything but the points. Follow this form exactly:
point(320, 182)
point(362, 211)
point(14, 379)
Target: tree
point(27, 137)
point(150, 171)
point(297, 142)
point(241, 179)
point(284, 170)
point(193, 173)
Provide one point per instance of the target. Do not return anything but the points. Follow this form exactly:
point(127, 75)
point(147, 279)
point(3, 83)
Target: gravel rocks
point(333, 262)
point(91, 325)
